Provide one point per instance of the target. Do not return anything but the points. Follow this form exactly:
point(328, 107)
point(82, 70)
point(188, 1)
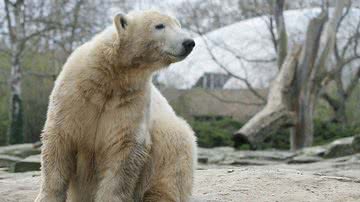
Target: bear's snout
point(188, 45)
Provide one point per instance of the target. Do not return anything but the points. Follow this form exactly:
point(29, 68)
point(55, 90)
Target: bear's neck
point(119, 74)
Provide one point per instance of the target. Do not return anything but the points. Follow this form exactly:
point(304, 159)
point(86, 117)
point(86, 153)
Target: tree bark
point(17, 34)
point(276, 112)
point(304, 104)
point(15, 130)
point(282, 39)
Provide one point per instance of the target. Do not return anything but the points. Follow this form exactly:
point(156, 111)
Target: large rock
point(20, 150)
point(247, 162)
point(228, 156)
point(356, 144)
point(214, 155)
point(313, 151)
point(31, 163)
point(7, 161)
point(340, 147)
point(269, 155)
point(304, 159)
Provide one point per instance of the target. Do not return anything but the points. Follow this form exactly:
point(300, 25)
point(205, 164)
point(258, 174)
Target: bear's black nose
point(188, 44)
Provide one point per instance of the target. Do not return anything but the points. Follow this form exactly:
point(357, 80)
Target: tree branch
point(276, 112)
point(9, 21)
point(336, 49)
point(239, 57)
point(331, 101)
point(282, 40)
point(244, 80)
point(232, 101)
point(353, 83)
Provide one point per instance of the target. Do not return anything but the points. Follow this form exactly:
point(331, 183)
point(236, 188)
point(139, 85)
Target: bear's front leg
point(57, 163)
point(122, 172)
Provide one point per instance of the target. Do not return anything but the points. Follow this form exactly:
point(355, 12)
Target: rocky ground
point(326, 173)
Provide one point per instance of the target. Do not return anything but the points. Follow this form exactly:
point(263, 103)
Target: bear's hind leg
point(160, 193)
point(173, 159)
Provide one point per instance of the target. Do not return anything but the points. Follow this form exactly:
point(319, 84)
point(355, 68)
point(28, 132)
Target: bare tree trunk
point(282, 41)
point(297, 98)
point(303, 132)
point(340, 112)
point(310, 73)
point(276, 112)
point(344, 56)
point(338, 102)
point(15, 130)
point(17, 32)
point(50, 18)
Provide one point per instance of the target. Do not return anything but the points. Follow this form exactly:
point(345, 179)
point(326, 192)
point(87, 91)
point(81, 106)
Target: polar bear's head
point(152, 38)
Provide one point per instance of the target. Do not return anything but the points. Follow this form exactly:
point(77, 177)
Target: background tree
point(298, 84)
point(41, 27)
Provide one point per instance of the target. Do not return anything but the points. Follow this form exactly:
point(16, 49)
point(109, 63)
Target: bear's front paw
point(112, 197)
point(48, 198)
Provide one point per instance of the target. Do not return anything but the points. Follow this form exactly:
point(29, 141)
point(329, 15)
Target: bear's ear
point(121, 22)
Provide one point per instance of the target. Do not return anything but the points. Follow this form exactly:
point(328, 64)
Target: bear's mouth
point(177, 56)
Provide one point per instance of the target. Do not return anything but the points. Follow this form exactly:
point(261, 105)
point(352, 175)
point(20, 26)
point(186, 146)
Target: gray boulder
point(20, 150)
point(7, 160)
point(228, 156)
point(356, 144)
point(268, 155)
point(339, 148)
point(304, 159)
point(247, 162)
point(313, 151)
point(31, 163)
point(214, 155)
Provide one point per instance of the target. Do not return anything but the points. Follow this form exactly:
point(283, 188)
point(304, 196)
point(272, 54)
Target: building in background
point(212, 81)
point(214, 104)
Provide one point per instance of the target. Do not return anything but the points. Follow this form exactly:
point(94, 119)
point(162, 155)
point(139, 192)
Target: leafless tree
point(19, 35)
point(347, 59)
point(293, 95)
point(205, 16)
point(242, 79)
point(41, 23)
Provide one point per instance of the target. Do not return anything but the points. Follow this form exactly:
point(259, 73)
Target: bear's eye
point(160, 26)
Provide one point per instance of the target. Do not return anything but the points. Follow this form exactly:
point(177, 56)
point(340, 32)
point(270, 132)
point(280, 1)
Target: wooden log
point(276, 112)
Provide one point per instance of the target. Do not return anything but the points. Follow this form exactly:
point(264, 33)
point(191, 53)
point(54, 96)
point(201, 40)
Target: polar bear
point(110, 135)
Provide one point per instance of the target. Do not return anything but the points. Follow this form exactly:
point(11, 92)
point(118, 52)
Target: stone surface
point(229, 156)
point(356, 144)
point(304, 159)
point(31, 163)
point(20, 150)
point(313, 151)
point(271, 184)
point(270, 155)
point(340, 147)
point(7, 160)
point(214, 155)
point(247, 162)
point(330, 180)
point(228, 175)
